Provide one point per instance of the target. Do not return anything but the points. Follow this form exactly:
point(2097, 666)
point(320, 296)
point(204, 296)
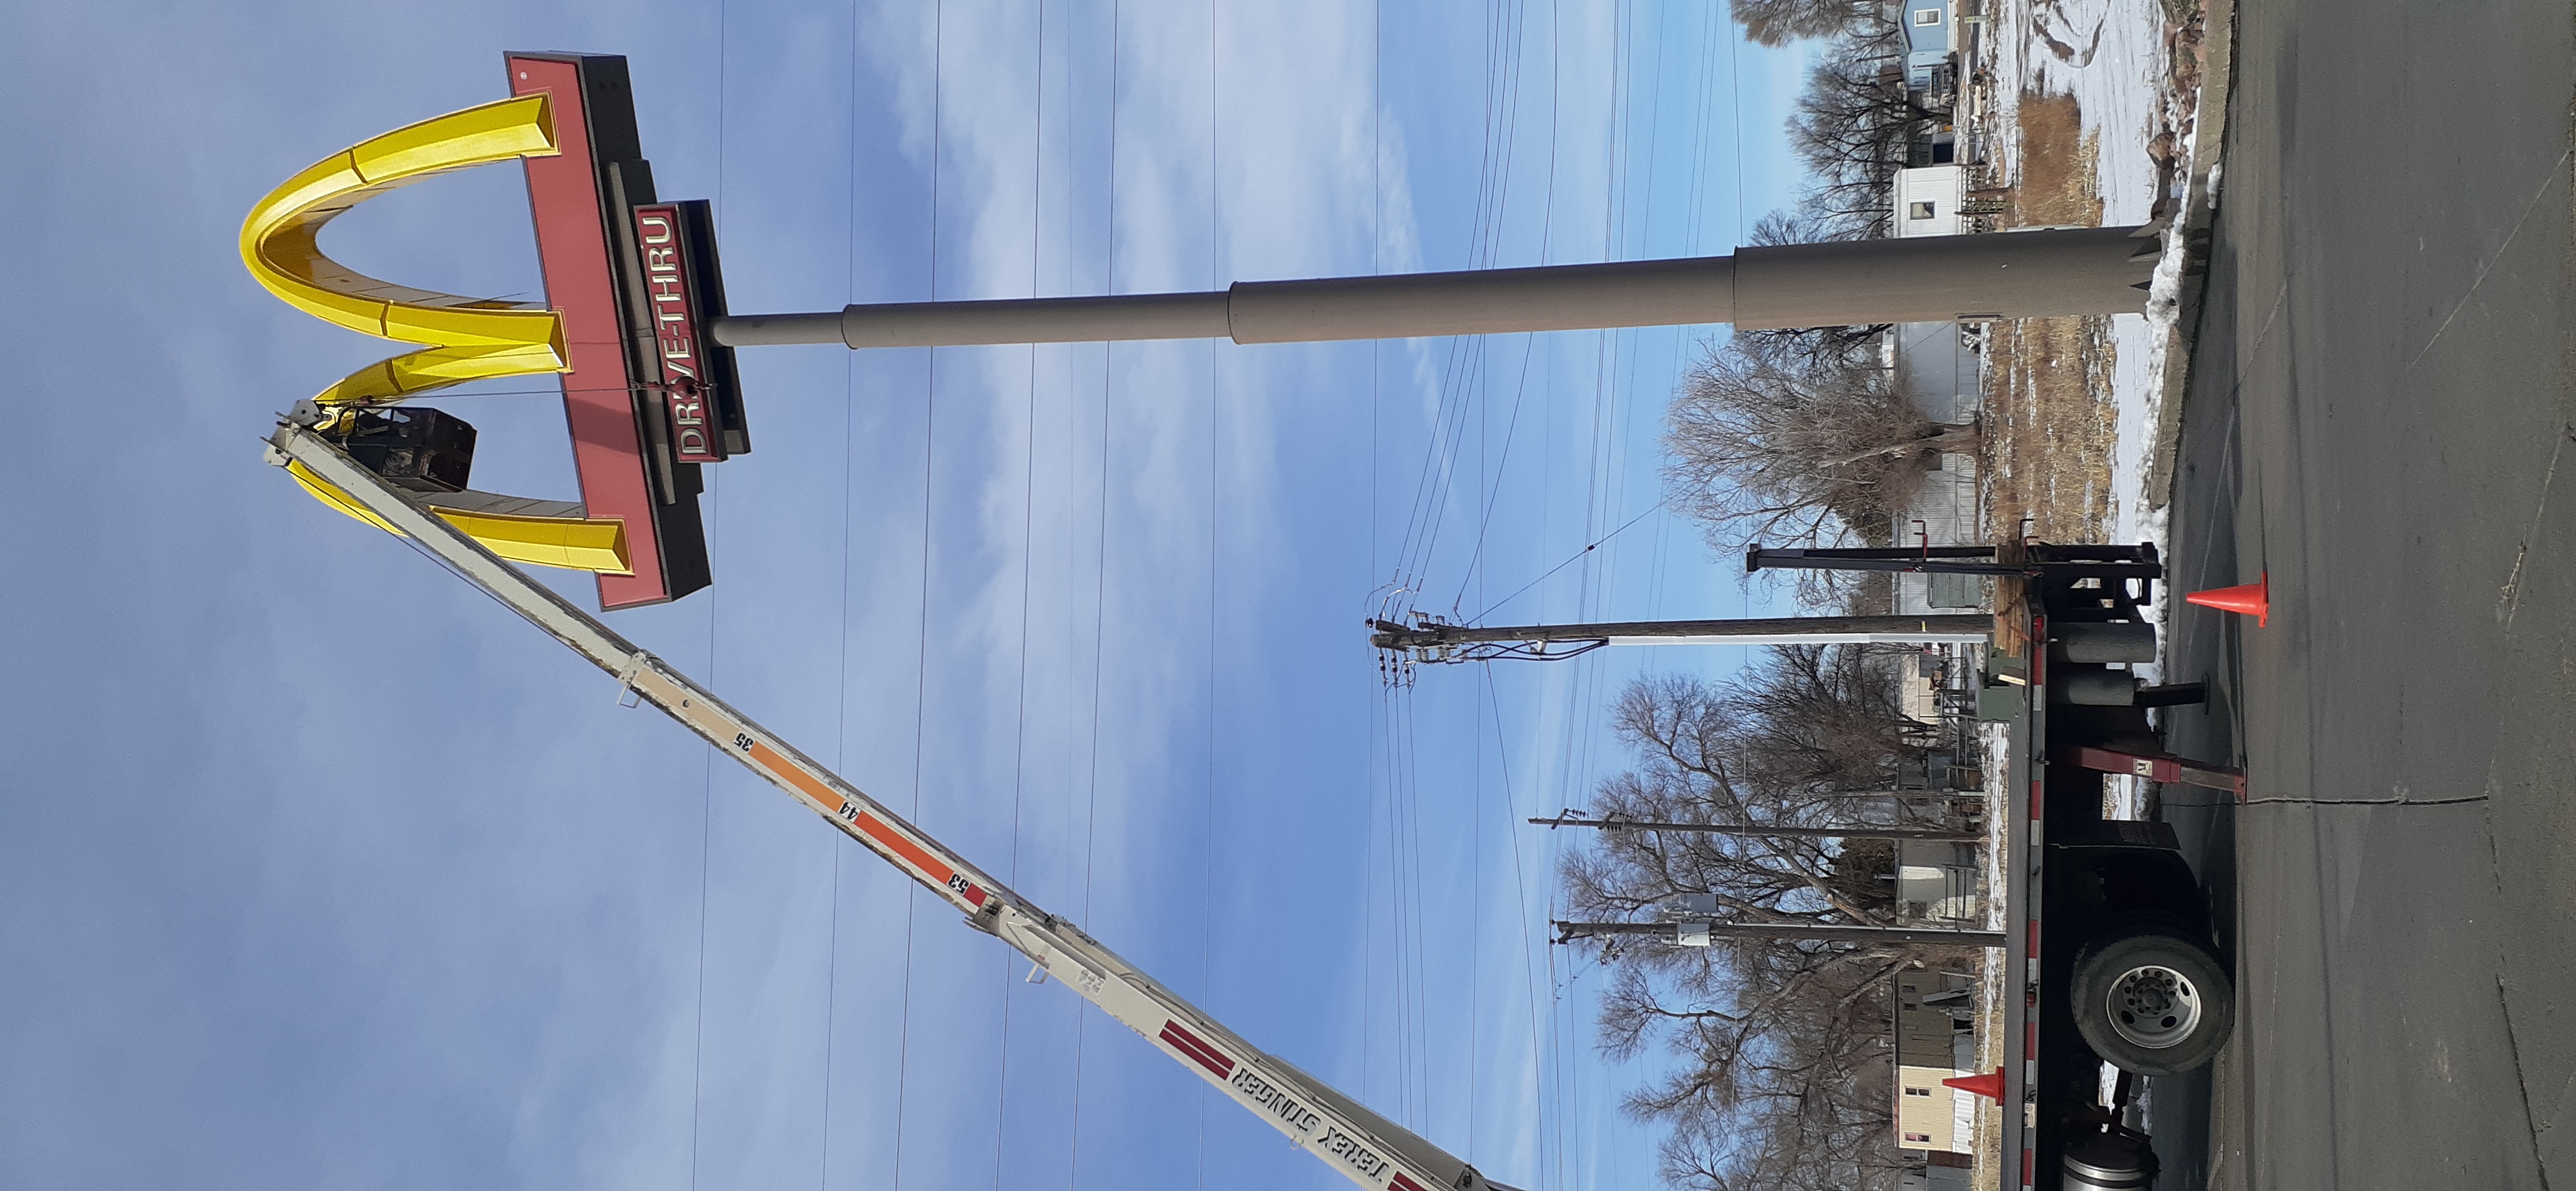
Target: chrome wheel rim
point(2153, 1006)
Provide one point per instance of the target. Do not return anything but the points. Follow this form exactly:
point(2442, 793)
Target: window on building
point(1925, 1138)
point(1918, 210)
point(1918, 1091)
point(1927, 16)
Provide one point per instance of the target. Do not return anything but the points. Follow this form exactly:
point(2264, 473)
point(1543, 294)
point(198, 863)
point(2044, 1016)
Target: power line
point(841, 686)
point(1216, 412)
point(921, 655)
point(1099, 594)
point(1570, 560)
point(1028, 525)
point(707, 778)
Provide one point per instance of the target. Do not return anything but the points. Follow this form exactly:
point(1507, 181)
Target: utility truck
point(2123, 968)
point(2109, 940)
point(2109, 956)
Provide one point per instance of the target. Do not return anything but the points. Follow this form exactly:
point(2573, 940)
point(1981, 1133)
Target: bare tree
point(1818, 720)
point(1800, 347)
point(1797, 451)
point(1783, 1079)
point(1812, 1110)
point(1771, 747)
point(1779, 22)
point(1783, 1065)
point(1852, 127)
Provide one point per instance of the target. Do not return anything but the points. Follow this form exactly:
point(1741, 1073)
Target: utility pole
point(1699, 933)
point(1437, 641)
point(1843, 283)
point(1615, 823)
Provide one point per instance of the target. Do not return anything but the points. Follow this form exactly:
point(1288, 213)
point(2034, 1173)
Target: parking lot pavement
point(2381, 415)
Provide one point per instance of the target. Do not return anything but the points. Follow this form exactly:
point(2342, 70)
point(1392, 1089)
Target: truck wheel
point(2108, 1163)
point(2150, 1000)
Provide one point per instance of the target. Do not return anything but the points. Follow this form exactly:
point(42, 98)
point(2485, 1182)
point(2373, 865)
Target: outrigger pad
point(649, 397)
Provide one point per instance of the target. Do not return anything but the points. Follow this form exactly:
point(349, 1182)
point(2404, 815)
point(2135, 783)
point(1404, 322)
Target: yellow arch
point(468, 338)
point(597, 544)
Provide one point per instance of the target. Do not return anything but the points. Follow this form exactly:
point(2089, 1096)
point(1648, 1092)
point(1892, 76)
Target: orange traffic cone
point(2253, 599)
point(1989, 1085)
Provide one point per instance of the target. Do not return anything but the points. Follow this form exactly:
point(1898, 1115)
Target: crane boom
point(1365, 1147)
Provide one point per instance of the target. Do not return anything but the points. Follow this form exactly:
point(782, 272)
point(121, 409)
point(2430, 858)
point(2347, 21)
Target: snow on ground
point(1996, 740)
point(2113, 57)
point(2110, 55)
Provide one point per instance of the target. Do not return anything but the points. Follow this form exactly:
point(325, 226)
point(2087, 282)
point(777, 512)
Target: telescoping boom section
point(1365, 1147)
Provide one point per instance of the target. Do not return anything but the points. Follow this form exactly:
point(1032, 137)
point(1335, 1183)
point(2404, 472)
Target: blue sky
point(318, 869)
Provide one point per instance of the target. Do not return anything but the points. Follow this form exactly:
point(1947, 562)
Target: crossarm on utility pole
point(1845, 283)
point(1365, 1147)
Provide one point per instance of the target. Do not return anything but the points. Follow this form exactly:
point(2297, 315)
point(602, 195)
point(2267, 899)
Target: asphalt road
point(2380, 415)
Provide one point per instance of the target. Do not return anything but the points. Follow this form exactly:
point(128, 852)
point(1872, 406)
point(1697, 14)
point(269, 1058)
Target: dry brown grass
point(2049, 419)
point(2056, 171)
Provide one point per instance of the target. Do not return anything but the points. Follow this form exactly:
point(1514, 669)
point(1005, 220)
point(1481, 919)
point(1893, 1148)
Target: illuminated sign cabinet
point(632, 283)
point(649, 397)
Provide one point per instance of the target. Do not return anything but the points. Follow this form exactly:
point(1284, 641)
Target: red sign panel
point(671, 284)
point(570, 197)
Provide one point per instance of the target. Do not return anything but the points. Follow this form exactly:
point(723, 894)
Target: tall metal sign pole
point(1849, 283)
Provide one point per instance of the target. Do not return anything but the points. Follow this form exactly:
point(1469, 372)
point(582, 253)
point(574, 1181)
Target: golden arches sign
point(467, 338)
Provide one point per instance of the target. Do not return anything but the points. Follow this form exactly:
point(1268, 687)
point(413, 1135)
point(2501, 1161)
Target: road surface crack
point(2511, 601)
point(2557, 172)
point(2402, 801)
point(2504, 1007)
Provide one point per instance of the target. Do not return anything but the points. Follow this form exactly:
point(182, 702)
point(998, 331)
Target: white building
point(1938, 374)
point(1928, 199)
point(1938, 881)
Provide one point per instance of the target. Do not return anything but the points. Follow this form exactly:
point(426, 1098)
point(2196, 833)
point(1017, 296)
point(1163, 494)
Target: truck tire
point(2151, 999)
point(2108, 1163)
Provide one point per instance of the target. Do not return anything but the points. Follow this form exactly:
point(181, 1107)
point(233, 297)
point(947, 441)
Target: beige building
point(1933, 1045)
